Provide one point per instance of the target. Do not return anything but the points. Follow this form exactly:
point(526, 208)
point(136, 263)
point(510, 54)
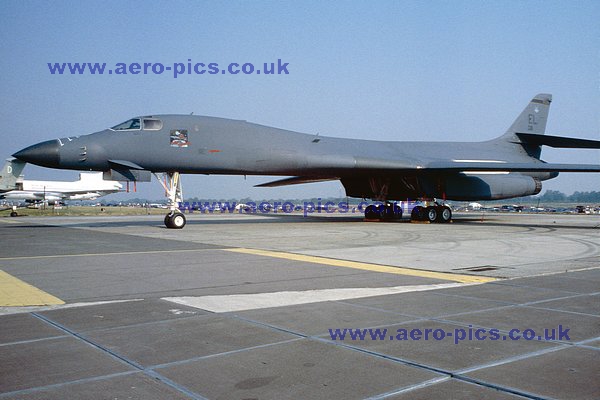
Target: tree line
point(555, 196)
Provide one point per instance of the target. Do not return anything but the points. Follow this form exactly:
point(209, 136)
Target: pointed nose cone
point(45, 154)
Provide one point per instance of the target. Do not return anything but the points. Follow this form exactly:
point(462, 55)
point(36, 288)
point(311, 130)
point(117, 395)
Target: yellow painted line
point(122, 253)
point(447, 276)
point(16, 293)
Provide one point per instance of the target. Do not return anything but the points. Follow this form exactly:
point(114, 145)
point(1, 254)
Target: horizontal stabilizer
point(558, 141)
point(296, 180)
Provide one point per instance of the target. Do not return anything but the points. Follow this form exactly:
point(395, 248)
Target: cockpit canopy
point(135, 124)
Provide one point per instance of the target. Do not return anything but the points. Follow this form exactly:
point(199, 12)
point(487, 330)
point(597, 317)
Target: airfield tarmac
point(240, 307)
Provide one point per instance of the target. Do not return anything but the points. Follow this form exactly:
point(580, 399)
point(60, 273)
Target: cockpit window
point(152, 124)
point(132, 124)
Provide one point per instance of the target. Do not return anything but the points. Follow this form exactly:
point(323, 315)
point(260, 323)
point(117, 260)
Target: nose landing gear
point(171, 181)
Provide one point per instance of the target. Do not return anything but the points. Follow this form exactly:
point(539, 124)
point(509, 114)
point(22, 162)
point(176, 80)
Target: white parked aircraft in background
point(90, 186)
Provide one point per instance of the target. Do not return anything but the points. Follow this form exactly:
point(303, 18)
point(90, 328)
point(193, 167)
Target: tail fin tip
point(533, 118)
point(542, 98)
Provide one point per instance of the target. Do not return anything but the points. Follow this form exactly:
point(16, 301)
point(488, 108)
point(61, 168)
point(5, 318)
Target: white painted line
point(20, 310)
point(240, 302)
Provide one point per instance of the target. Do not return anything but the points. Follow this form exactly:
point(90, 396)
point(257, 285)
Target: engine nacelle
point(490, 187)
point(461, 187)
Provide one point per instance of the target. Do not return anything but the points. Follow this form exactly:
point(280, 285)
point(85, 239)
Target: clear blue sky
point(459, 70)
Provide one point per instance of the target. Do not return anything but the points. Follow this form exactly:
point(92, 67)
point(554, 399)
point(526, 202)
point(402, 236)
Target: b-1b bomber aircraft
point(505, 167)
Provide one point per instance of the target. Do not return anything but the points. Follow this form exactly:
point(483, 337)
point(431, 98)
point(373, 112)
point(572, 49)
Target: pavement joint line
point(551, 273)
point(421, 385)
point(107, 254)
point(225, 353)
point(506, 389)
point(441, 371)
point(465, 296)
point(33, 340)
point(365, 266)
point(32, 309)
point(586, 341)
point(182, 389)
point(508, 303)
point(89, 342)
point(121, 358)
point(584, 346)
point(264, 325)
point(507, 283)
point(382, 310)
point(276, 328)
point(17, 293)
point(500, 307)
point(325, 334)
point(509, 360)
point(148, 323)
point(577, 270)
point(563, 311)
point(59, 385)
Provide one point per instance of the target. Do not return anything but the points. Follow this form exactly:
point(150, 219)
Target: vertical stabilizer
point(532, 120)
point(9, 176)
point(534, 117)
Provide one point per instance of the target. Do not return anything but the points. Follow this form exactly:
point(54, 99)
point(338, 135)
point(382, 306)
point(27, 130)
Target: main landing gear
point(171, 182)
point(431, 213)
point(383, 212)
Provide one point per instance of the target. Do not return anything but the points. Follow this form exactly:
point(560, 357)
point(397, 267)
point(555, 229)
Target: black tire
point(397, 211)
point(14, 214)
point(178, 221)
point(386, 212)
point(417, 213)
point(444, 214)
point(175, 220)
point(390, 212)
point(431, 214)
point(371, 212)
